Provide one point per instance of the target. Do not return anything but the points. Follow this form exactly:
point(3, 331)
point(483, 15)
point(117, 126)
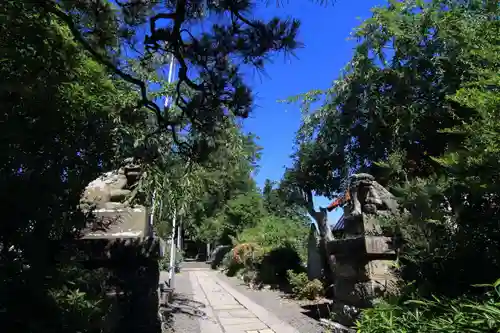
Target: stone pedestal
point(363, 258)
point(130, 253)
point(363, 271)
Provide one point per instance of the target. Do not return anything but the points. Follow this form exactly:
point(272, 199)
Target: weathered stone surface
point(120, 223)
point(379, 269)
point(336, 327)
point(379, 245)
point(351, 291)
point(114, 186)
point(119, 238)
point(349, 247)
point(365, 254)
point(361, 245)
point(120, 250)
point(267, 330)
point(371, 224)
point(240, 313)
point(346, 270)
point(368, 196)
point(353, 225)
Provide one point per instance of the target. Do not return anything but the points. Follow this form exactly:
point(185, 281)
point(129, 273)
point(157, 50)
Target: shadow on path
point(183, 303)
point(181, 314)
point(318, 311)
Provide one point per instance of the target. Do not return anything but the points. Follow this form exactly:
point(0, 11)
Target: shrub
point(434, 315)
point(272, 232)
point(278, 245)
point(250, 277)
point(275, 264)
point(245, 255)
point(302, 287)
point(264, 253)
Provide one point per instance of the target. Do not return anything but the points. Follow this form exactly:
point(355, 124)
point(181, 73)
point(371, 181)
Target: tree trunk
point(326, 236)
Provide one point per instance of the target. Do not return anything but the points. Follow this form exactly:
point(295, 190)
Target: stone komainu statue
point(114, 189)
point(363, 257)
point(121, 240)
point(368, 196)
point(365, 195)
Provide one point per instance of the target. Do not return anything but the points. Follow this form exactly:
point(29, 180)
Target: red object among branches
point(339, 201)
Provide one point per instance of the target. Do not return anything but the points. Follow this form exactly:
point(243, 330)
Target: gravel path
point(185, 310)
point(286, 310)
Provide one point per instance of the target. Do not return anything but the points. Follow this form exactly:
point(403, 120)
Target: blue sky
point(324, 32)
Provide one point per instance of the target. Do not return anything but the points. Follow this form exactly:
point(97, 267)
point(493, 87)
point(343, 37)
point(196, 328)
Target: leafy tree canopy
point(60, 113)
point(394, 95)
point(417, 106)
point(211, 42)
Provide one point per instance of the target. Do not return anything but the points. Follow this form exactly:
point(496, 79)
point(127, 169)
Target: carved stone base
point(363, 273)
point(364, 255)
point(119, 222)
point(128, 251)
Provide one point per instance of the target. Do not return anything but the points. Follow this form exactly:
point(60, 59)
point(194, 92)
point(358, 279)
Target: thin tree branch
point(310, 202)
point(53, 8)
point(160, 16)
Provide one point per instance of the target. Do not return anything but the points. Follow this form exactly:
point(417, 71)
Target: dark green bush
point(267, 251)
point(275, 264)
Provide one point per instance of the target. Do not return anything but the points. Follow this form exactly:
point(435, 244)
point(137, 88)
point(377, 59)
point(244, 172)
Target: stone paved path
point(288, 311)
point(207, 304)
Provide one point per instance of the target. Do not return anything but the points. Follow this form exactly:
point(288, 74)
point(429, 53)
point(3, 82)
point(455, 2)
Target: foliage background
point(80, 82)
point(417, 107)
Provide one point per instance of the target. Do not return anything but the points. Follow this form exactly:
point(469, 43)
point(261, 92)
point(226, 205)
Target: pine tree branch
point(53, 8)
